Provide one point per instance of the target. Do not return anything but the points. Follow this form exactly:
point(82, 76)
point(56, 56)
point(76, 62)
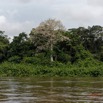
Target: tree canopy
point(47, 34)
point(50, 41)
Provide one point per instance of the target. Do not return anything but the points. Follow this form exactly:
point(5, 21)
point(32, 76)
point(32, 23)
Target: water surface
point(51, 90)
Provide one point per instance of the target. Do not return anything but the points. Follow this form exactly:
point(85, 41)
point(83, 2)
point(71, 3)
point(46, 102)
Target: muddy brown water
point(51, 90)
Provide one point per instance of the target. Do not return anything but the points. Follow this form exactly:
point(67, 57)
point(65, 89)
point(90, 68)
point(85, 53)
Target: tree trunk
point(51, 50)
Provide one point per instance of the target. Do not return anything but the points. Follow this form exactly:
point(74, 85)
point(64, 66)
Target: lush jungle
point(52, 50)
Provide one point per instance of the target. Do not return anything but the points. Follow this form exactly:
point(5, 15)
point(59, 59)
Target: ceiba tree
point(47, 34)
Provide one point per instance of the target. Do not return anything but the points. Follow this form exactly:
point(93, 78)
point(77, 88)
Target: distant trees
point(91, 38)
point(20, 46)
point(4, 43)
point(50, 41)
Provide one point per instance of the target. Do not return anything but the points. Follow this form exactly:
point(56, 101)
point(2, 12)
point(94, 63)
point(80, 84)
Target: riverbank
point(57, 70)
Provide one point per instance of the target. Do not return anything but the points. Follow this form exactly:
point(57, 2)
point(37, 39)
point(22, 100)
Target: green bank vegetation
point(51, 50)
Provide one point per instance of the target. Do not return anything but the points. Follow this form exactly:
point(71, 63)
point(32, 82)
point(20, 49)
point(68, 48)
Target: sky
point(18, 16)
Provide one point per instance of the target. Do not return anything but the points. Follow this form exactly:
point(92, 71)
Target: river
point(51, 90)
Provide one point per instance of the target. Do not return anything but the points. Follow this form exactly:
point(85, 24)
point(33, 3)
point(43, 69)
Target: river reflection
point(51, 90)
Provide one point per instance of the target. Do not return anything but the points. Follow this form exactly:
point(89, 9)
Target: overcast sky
point(22, 15)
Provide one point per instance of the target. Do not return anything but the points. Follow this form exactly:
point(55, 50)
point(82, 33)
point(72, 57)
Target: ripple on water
point(30, 90)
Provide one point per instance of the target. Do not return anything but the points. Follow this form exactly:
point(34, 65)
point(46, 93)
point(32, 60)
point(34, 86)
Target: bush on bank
point(55, 69)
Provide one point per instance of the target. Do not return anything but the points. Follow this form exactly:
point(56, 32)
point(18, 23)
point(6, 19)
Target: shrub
point(15, 59)
point(31, 60)
point(64, 58)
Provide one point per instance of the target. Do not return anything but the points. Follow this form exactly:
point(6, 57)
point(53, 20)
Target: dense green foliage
point(78, 52)
point(84, 69)
point(4, 43)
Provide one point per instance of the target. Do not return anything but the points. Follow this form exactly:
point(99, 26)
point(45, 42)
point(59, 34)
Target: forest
point(52, 50)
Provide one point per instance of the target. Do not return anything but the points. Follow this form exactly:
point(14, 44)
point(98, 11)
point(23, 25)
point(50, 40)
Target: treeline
point(50, 42)
point(51, 50)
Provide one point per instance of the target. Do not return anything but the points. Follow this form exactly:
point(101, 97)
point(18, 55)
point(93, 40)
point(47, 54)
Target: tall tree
point(20, 46)
point(47, 34)
point(4, 42)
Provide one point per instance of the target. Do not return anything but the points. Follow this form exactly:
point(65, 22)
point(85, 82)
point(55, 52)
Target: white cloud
point(22, 15)
point(2, 19)
point(95, 2)
point(15, 1)
point(14, 28)
point(24, 1)
point(79, 13)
